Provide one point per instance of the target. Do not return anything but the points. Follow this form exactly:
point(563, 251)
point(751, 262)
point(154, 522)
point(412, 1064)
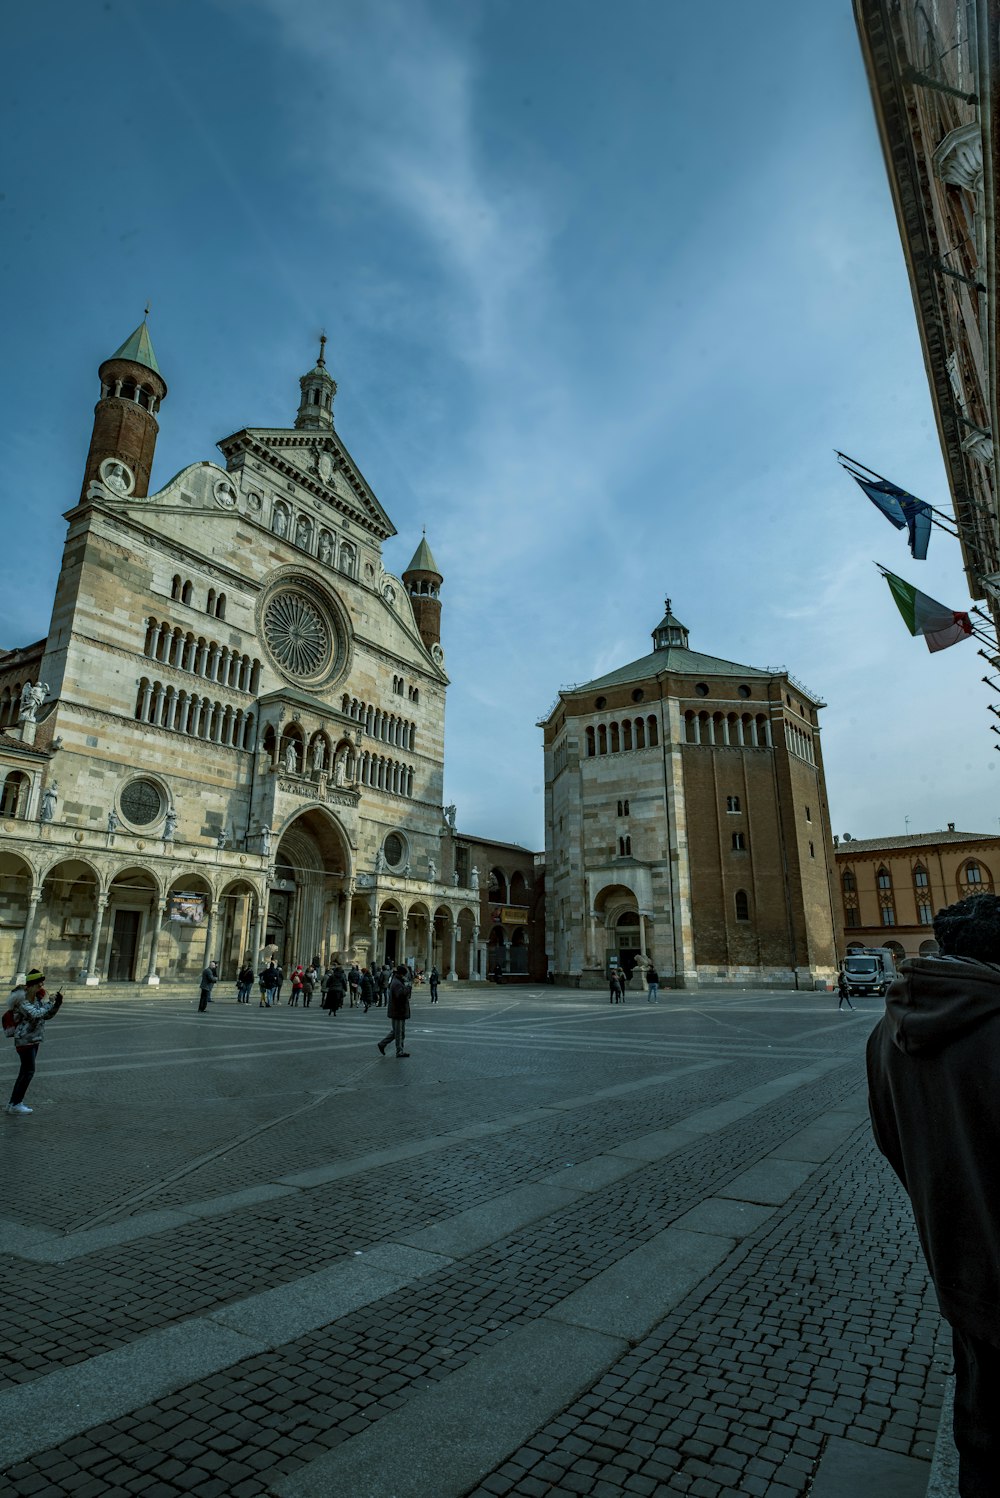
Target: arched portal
point(66, 916)
point(308, 914)
point(616, 906)
point(133, 906)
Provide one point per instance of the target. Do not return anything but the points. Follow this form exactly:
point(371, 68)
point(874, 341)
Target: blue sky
point(604, 286)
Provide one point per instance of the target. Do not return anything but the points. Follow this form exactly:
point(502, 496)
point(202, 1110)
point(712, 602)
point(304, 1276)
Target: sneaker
point(19, 1108)
point(381, 1048)
point(400, 1056)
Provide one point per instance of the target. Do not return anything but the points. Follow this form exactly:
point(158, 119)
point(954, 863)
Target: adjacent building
point(933, 71)
point(892, 887)
point(231, 738)
point(686, 824)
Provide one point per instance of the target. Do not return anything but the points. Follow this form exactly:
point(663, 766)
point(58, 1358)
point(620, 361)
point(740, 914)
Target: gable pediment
point(320, 464)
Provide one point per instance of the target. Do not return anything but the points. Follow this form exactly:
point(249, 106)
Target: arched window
point(920, 880)
point(220, 606)
point(883, 878)
point(640, 734)
point(14, 800)
point(620, 813)
point(186, 593)
point(175, 587)
point(615, 742)
point(627, 734)
point(739, 842)
point(848, 883)
point(733, 803)
point(210, 605)
point(602, 739)
point(972, 873)
point(742, 900)
point(591, 749)
point(651, 726)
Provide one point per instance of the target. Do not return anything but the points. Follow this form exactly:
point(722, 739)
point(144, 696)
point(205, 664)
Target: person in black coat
point(399, 1012)
point(933, 1062)
point(335, 989)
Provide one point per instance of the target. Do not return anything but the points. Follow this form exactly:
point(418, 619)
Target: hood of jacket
point(936, 1000)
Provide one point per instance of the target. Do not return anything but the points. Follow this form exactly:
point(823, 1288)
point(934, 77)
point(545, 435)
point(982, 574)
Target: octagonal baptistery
point(686, 825)
point(233, 710)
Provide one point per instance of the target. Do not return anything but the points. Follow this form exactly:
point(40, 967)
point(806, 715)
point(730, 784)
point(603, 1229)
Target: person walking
point(308, 985)
point(269, 980)
point(434, 980)
point(336, 989)
point(244, 983)
point(354, 982)
point(615, 985)
point(844, 989)
point(208, 980)
point(367, 989)
point(382, 984)
point(653, 979)
point(280, 978)
point(27, 1009)
point(293, 997)
point(399, 1012)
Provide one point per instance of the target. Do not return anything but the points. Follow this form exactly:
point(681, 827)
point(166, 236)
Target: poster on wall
point(189, 910)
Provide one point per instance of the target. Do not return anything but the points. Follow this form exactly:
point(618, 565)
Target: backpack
point(9, 1021)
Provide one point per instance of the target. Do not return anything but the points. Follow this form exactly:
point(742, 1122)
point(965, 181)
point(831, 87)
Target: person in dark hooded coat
point(934, 1096)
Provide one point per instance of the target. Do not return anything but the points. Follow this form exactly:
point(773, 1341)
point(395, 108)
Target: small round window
point(394, 849)
point(743, 691)
point(141, 802)
point(702, 689)
point(600, 702)
point(638, 694)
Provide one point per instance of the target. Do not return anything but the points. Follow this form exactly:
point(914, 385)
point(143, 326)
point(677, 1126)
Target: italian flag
point(940, 626)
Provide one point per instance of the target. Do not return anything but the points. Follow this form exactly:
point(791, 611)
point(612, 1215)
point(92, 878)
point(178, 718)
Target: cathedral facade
point(232, 737)
point(686, 824)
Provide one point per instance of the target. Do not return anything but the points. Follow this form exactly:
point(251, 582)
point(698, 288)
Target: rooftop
point(913, 840)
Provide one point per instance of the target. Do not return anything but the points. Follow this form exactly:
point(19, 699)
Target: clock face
point(117, 476)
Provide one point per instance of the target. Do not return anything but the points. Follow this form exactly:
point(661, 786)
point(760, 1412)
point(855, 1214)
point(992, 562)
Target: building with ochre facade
point(686, 824)
point(232, 737)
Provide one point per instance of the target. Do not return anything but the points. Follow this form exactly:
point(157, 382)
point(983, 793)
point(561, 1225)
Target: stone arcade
point(232, 737)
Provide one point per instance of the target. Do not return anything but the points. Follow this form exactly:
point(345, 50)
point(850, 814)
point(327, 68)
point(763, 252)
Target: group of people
point(618, 981)
point(361, 986)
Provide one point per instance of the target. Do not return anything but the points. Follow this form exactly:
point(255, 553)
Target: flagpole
point(881, 476)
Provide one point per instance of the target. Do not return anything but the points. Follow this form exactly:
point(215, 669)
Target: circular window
point(638, 694)
point(743, 691)
point(702, 689)
point(141, 802)
point(394, 849)
point(600, 702)
point(303, 630)
point(297, 635)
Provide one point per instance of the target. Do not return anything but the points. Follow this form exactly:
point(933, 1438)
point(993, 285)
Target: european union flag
point(902, 510)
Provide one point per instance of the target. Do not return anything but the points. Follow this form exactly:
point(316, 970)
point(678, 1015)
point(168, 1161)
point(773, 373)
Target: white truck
point(869, 970)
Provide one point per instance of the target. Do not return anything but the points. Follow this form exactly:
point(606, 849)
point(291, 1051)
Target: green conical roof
point(423, 560)
point(139, 348)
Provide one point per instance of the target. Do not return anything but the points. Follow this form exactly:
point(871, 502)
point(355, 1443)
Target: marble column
point(27, 935)
point(93, 977)
point(452, 975)
point(474, 973)
point(159, 911)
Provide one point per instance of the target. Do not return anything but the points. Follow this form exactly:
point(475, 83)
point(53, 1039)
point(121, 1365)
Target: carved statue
point(48, 811)
point(303, 533)
point(222, 840)
point(116, 477)
point(319, 755)
point(407, 871)
point(379, 862)
point(454, 877)
point(340, 769)
point(291, 757)
point(32, 698)
point(432, 871)
point(169, 826)
point(325, 547)
point(474, 878)
point(112, 821)
point(265, 839)
point(450, 813)
point(279, 522)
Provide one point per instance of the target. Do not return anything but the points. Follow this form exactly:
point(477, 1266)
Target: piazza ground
point(565, 1248)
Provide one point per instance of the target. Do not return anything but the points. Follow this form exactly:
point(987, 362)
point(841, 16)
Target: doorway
point(124, 946)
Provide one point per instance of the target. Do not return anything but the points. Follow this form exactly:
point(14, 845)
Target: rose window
point(141, 802)
point(297, 634)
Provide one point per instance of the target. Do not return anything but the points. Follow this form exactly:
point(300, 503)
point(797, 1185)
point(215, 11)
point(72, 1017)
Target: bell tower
point(125, 425)
point(423, 584)
point(315, 413)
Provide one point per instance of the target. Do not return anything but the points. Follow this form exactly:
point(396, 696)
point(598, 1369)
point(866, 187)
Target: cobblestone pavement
point(565, 1248)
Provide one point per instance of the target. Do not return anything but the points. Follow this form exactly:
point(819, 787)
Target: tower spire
point(318, 388)
point(125, 426)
